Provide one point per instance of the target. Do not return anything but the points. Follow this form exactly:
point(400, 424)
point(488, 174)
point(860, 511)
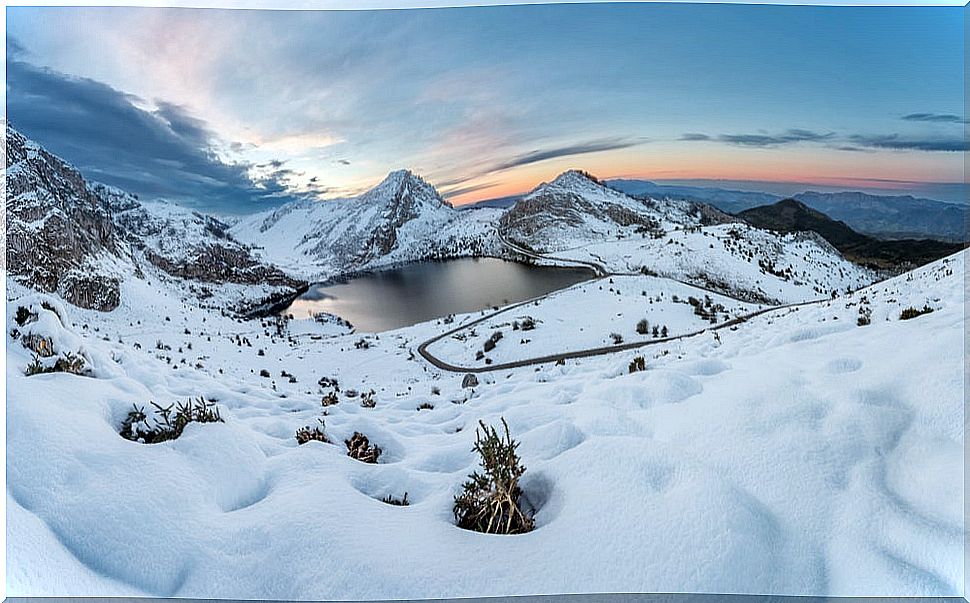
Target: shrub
point(68, 362)
point(638, 364)
point(361, 344)
point(528, 323)
point(913, 312)
point(330, 399)
point(360, 448)
point(643, 327)
point(305, 434)
point(263, 373)
point(24, 316)
point(617, 338)
point(397, 502)
point(166, 425)
point(36, 367)
point(489, 501)
point(367, 399)
point(426, 406)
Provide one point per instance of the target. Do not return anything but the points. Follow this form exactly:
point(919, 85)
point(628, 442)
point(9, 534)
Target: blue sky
point(235, 111)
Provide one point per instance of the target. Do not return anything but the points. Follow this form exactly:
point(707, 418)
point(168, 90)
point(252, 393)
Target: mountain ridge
point(791, 215)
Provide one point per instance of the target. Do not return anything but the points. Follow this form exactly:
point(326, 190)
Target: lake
point(413, 293)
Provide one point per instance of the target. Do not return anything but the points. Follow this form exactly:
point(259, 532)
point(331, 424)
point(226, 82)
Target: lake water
point(390, 299)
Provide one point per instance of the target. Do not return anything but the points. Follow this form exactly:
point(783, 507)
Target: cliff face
point(81, 240)
point(59, 232)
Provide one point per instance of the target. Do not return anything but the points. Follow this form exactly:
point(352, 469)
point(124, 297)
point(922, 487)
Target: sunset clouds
point(236, 110)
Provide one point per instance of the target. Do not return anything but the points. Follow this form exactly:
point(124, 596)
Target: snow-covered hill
point(804, 451)
point(577, 209)
point(85, 240)
point(401, 219)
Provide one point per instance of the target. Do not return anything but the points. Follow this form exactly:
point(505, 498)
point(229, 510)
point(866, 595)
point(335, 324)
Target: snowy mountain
point(401, 219)
point(576, 208)
point(84, 240)
point(60, 236)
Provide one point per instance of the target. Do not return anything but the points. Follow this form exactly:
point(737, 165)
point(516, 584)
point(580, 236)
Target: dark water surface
point(381, 301)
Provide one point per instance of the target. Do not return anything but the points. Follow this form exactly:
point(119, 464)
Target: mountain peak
point(403, 183)
point(576, 177)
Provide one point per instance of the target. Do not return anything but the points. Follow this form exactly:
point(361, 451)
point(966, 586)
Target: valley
point(705, 394)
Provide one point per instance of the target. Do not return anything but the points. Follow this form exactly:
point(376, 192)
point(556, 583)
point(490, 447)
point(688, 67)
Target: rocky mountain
point(892, 217)
point(790, 215)
point(577, 207)
point(401, 219)
point(886, 217)
point(82, 240)
point(731, 201)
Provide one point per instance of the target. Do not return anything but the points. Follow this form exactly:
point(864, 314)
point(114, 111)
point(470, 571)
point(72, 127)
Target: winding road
point(601, 272)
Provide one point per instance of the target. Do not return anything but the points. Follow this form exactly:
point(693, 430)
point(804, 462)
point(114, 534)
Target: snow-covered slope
point(575, 209)
point(84, 240)
point(401, 219)
point(796, 453)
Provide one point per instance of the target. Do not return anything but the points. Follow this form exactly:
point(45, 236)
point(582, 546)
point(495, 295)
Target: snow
point(621, 302)
point(797, 453)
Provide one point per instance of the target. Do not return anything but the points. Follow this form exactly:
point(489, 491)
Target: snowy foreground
point(794, 453)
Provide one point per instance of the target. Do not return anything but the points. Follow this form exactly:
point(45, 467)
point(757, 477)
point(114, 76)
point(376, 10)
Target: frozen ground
point(797, 453)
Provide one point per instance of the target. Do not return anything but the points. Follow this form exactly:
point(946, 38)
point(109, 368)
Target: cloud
point(935, 118)
point(567, 151)
point(162, 152)
point(763, 140)
point(464, 190)
point(851, 143)
point(898, 143)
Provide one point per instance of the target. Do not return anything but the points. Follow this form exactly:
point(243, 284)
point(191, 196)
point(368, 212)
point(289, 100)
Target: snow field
point(797, 454)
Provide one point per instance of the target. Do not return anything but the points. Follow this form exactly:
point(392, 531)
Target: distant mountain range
point(89, 243)
point(791, 215)
point(886, 217)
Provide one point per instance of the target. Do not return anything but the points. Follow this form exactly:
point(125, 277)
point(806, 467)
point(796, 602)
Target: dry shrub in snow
point(638, 364)
point(165, 424)
point(489, 501)
point(305, 434)
point(360, 448)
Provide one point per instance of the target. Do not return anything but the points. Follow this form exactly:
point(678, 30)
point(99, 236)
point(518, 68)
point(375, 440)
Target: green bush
point(913, 312)
point(397, 502)
point(643, 327)
point(638, 364)
point(166, 424)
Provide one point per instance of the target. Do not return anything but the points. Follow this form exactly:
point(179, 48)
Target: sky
point(239, 111)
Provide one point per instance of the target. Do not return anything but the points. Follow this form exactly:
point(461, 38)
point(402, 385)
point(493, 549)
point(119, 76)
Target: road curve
point(584, 353)
point(601, 272)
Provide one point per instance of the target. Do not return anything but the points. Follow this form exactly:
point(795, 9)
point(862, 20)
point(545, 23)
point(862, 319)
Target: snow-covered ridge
point(401, 219)
point(84, 240)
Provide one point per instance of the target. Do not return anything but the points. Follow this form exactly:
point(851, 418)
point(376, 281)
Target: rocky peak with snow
point(403, 218)
point(575, 206)
point(59, 231)
point(82, 240)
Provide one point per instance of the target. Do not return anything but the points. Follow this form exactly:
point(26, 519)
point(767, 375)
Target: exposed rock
point(470, 380)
